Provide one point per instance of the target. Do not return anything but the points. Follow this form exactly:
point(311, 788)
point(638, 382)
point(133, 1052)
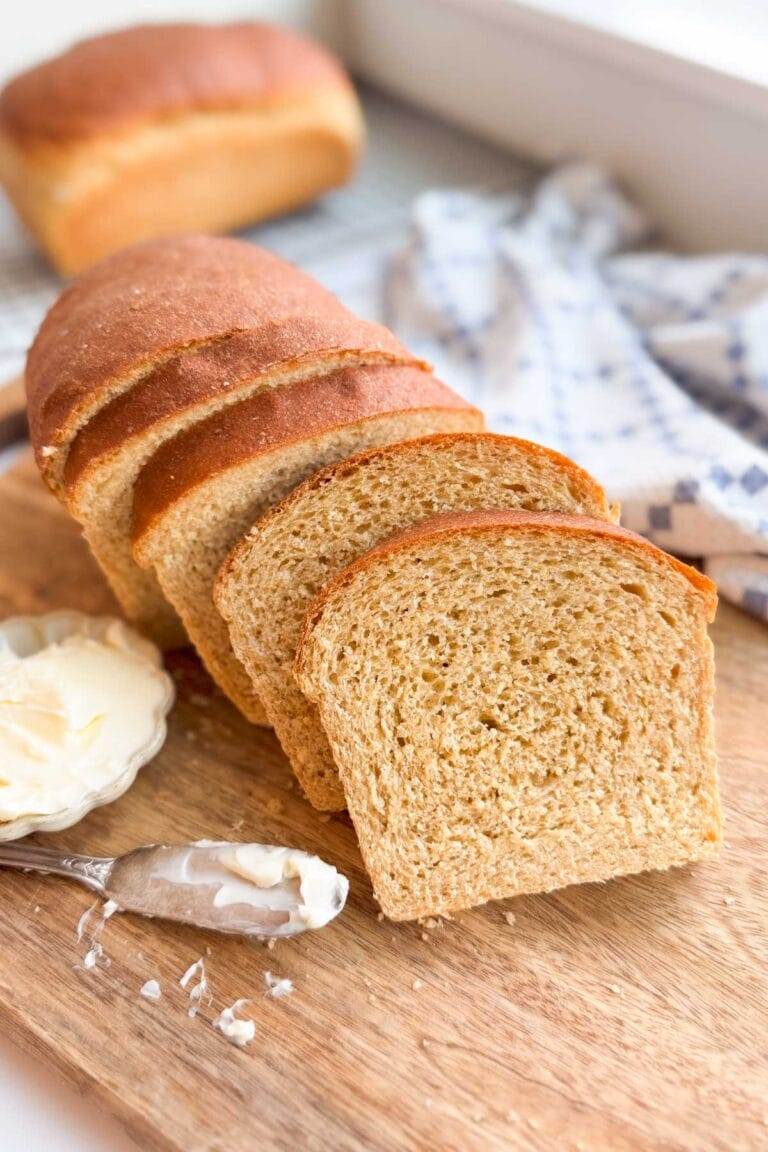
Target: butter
point(82, 704)
point(293, 889)
point(322, 889)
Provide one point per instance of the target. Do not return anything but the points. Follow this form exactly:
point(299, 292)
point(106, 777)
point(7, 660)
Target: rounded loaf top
point(148, 302)
point(108, 82)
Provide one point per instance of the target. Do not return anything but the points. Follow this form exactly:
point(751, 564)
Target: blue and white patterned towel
point(650, 370)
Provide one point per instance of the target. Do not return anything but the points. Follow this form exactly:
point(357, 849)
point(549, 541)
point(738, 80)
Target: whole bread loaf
point(149, 342)
point(516, 701)
point(161, 129)
point(266, 584)
point(201, 491)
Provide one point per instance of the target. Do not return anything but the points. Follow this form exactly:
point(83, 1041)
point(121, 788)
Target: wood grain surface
point(630, 1015)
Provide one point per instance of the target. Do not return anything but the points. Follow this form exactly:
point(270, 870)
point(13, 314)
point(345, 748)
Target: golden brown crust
point(499, 521)
point(578, 476)
point(153, 71)
point(151, 302)
point(274, 418)
point(227, 366)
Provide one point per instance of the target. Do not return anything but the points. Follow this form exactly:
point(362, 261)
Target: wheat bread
point(265, 586)
point(166, 128)
point(202, 490)
point(148, 343)
point(516, 702)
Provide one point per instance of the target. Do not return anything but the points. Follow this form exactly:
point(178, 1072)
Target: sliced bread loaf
point(202, 490)
point(153, 340)
point(516, 701)
point(266, 584)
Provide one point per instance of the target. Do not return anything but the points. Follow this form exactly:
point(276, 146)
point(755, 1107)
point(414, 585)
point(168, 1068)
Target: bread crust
point(190, 380)
point(577, 475)
point(498, 521)
point(272, 419)
point(111, 82)
point(147, 304)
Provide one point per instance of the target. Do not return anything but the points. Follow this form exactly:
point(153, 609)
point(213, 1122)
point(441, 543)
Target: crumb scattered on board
point(510, 918)
point(276, 987)
point(199, 989)
point(82, 923)
point(150, 990)
point(238, 1031)
point(95, 955)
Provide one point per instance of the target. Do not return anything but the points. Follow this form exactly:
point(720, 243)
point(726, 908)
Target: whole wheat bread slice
point(516, 702)
point(201, 491)
point(268, 580)
point(148, 343)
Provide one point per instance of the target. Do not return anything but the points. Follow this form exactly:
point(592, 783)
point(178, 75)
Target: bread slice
point(265, 586)
point(161, 129)
point(152, 341)
point(516, 701)
point(202, 490)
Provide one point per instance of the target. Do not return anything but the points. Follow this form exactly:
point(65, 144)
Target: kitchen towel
point(649, 369)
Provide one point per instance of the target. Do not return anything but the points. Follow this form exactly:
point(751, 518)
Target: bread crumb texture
point(516, 708)
point(265, 587)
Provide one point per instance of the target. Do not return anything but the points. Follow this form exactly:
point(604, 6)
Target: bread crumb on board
point(277, 987)
point(430, 922)
point(200, 990)
point(238, 1031)
point(510, 918)
point(417, 984)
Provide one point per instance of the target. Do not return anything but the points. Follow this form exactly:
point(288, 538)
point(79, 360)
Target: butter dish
point(83, 702)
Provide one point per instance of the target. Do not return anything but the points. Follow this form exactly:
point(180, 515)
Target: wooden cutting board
point(630, 1015)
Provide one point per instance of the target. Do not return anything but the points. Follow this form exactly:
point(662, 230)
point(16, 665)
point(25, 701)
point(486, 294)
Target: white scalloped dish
point(83, 702)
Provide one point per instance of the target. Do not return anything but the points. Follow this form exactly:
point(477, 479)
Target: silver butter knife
point(249, 889)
